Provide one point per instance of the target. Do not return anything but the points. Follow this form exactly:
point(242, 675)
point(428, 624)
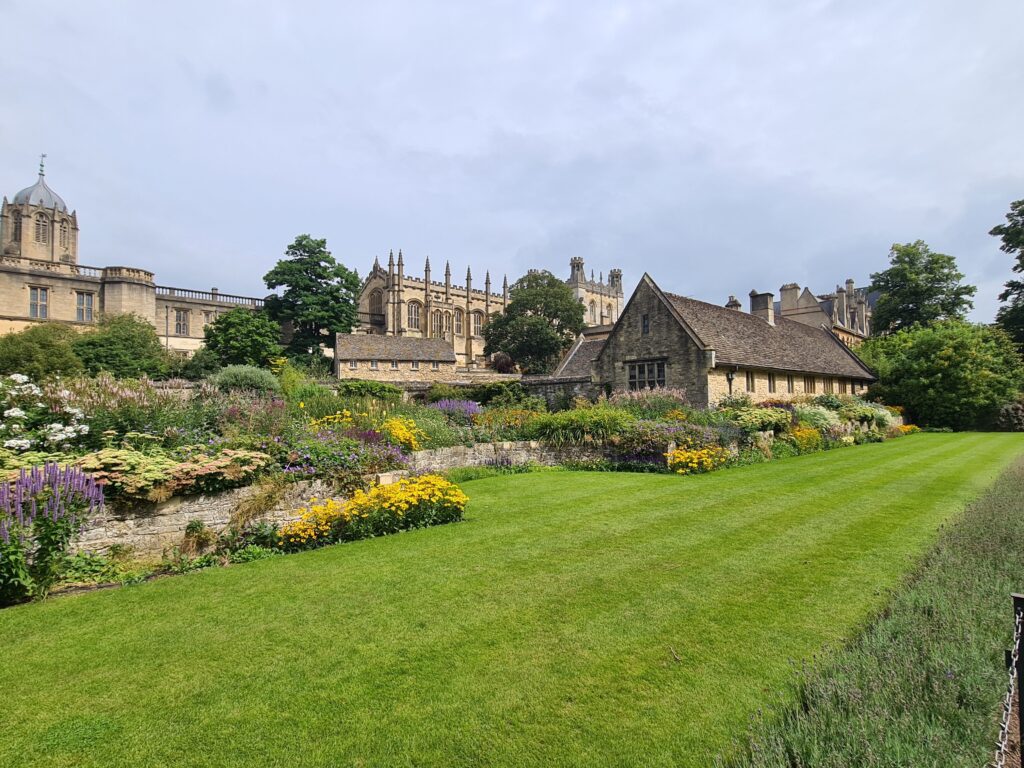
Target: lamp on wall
point(729, 376)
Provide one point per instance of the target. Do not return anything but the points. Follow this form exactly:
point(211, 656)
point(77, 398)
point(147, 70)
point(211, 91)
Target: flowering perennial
point(412, 503)
point(403, 431)
point(687, 461)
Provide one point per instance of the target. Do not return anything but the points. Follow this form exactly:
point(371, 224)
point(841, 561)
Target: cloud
point(718, 147)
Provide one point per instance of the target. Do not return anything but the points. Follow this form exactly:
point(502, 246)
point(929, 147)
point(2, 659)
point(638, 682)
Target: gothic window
point(16, 229)
point(447, 323)
point(435, 323)
point(478, 323)
point(181, 322)
point(458, 322)
point(593, 312)
point(42, 229)
point(377, 303)
point(39, 303)
point(65, 233)
point(84, 306)
point(414, 315)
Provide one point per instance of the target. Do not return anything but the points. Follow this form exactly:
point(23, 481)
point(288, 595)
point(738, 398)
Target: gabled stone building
point(393, 304)
point(42, 280)
point(399, 359)
point(665, 340)
point(847, 310)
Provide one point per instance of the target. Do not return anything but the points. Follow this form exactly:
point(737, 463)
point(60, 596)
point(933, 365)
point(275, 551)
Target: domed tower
point(36, 224)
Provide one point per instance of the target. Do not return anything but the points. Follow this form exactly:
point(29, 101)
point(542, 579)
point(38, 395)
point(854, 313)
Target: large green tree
point(948, 374)
point(1011, 315)
point(918, 288)
point(40, 351)
point(125, 345)
point(540, 322)
point(319, 296)
point(243, 337)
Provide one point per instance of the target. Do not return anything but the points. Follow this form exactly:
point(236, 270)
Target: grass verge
point(922, 684)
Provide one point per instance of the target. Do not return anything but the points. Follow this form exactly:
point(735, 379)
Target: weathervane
point(42, 163)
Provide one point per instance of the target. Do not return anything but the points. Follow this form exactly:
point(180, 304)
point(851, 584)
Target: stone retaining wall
point(149, 529)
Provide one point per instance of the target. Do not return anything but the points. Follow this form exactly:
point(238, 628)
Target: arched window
point(593, 312)
point(377, 303)
point(65, 234)
point(458, 322)
point(478, 323)
point(448, 324)
point(414, 315)
point(16, 229)
point(42, 229)
point(435, 323)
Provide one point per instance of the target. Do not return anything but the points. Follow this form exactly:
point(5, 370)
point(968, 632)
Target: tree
point(124, 345)
point(319, 297)
point(948, 374)
point(40, 351)
point(540, 322)
point(1011, 316)
point(243, 337)
point(919, 287)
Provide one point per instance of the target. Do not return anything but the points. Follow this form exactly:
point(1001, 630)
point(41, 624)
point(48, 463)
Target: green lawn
point(574, 619)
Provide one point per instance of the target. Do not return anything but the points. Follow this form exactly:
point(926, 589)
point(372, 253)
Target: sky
point(720, 147)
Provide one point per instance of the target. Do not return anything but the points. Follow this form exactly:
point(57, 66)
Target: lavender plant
point(40, 514)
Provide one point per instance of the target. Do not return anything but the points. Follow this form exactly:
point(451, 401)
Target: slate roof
point(372, 346)
point(582, 354)
point(739, 338)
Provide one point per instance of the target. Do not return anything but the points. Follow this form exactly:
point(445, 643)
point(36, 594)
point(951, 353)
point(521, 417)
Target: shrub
point(828, 400)
point(29, 423)
point(504, 423)
point(459, 411)
point(40, 513)
point(807, 439)
point(40, 351)
point(412, 503)
point(650, 403)
point(761, 419)
point(688, 461)
point(375, 389)
point(816, 416)
point(252, 552)
point(125, 346)
point(242, 336)
point(247, 378)
point(440, 391)
point(581, 426)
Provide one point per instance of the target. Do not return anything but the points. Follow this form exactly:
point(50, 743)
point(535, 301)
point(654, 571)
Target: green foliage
point(761, 419)
point(830, 401)
point(204, 363)
point(1011, 316)
point(377, 390)
point(579, 427)
point(247, 378)
point(817, 416)
point(252, 552)
point(40, 351)
point(540, 322)
point(243, 337)
point(919, 287)
point(319, 297)
point(124, 345)
point(651, 403)
point(952, 374)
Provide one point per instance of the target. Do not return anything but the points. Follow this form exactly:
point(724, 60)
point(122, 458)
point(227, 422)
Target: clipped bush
point(752, 420)
point(377, 390)
point(247, 378)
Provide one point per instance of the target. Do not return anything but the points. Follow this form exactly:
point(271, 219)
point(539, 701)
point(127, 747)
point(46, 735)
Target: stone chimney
point(733, 303)
point(762, 305)
point(789, 295)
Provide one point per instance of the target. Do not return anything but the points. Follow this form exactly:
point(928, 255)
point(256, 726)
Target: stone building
point(665, 340)
point(394, 359)
point(393, 304)
point(847, 311)
point(41, 278)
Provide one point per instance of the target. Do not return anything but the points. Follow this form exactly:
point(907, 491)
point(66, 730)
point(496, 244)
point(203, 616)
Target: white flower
point(14, 413)
point(18, 445)
point(75, 413)
point(83, 429)
point(18, 378)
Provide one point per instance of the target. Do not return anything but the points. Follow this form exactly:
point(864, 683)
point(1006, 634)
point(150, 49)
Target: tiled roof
point(582, 354)
point(371, 346)
point(739, 338)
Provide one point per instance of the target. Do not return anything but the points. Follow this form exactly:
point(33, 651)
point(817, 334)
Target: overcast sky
point(719, 146)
